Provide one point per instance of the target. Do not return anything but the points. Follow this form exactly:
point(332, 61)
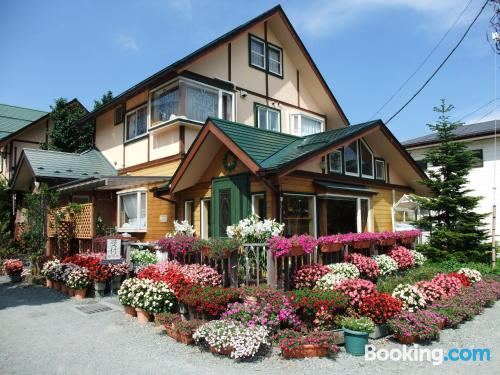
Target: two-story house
point(481, 139)
point(245, 124)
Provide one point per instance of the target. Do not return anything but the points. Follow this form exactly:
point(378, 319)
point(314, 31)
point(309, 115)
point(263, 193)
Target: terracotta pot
point(441, 324)
point(296, 251)
point(223, 351)
point(143, 316)
point(185, 339)
point(305, 351)
point(49, 283)
point(71, 292)
point(206, 251)
point(331, 248)
point(408, 240)
point(406, 340)
point(129, 311)
point(171, 331)
point(226, 254)
point(362, 244)
point(57, 285)
point(387, 242)
point(80, 293)
point(63, 288)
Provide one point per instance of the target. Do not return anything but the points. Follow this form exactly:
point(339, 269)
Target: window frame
point(358, 199)
point(191, 216)
point(299, 116)
point(252, 202)
point(256, 117)
point(280, 51)
point(252, 37)
point(135, 110)
point(341, 152)
point(120, 108)
point(357, 160)
point(138, 192)
point(380, 160)
point(267, 45)
point(313, 215)
point(372, 176)
point(203, 202)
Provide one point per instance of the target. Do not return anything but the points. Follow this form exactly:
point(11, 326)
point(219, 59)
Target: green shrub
point(426, 272)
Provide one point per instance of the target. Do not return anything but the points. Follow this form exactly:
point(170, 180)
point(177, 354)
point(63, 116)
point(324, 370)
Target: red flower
point(464, 280)
point(379, 307)
point(100, 273)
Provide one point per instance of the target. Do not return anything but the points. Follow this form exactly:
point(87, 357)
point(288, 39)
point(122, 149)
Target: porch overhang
point(109, 183)
point(338, 187)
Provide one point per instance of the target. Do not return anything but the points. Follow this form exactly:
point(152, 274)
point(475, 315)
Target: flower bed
point(208, 300)
point(380, 307)
point(308, 275)
point(295, 344)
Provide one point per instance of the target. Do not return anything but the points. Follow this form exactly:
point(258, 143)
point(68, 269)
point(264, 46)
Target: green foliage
point(64, 225)
point(456, 230)
point(362, 324)
point(453, 265)
point(105, 99)
point(426, 272)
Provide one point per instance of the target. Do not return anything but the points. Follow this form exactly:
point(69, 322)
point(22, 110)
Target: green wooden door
point(230, 202)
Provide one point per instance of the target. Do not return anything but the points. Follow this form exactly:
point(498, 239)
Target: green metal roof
point(13, 119)
point(64, 165)
point(272, 150)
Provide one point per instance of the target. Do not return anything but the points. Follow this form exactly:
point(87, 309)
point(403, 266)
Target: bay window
point(351, 163)
point(267, 118)
point(306, 125)
point(366, 160)
point(298, 213)
point(132, 211)
point(136, 123)
point(164, 104)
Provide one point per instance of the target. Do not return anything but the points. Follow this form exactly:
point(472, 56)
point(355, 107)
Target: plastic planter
point(355, 341)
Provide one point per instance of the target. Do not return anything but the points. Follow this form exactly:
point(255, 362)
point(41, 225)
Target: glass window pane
point(137, 123)
point(310, 126)
point(274, 122)
point(128, 208)
point(131, 120)
point(259, 205)
point(227, 106)
point(341, 215)
point(143, 211)
point(188, 211)
point(257, 53)
point(201, 103)
point(274, 60)
point(297, 214)
point(336, 162)
point(164, 104)
point(366, 160)
point(380, 169)
point(224, 211)
point(351, 158)
point(262, 117)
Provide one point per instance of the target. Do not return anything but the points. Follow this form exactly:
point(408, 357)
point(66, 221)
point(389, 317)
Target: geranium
point(419, 258)
point(386, 264)
point(254, 230)
point(183, 228)
point(119, 269)
point(410, 296)
point(48, 268)
point(403, 257)
point(473, 275)
point(13, 266)
point(127, 291)
point(209, 300)
point(243, 341)
point(345, 270)
point(292, 339)
point(201, 274)
point(450, 284)
point(308, 275)
point(431, 291)
point(78, 278)
point(179, 244)
point(367, 266)
point(280, 246)
point(356, 290)
point(100, 273)
point(423, 324)
point(152, 296)
point(171, 273)
point(84, 260)
point(380, 307)
point(464, 280)
point(330, 281)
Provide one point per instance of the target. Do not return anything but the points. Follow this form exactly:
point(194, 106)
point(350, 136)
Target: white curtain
point(310, 126)
point(129, 206)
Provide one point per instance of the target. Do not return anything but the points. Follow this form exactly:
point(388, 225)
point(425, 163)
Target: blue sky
point(364, 48)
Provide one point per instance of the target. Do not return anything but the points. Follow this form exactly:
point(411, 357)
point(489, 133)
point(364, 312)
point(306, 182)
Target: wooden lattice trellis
point(84, 223)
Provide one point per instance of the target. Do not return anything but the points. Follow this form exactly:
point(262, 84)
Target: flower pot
point(222, 351)
point(56, 285)
point(171, 331)
point(80, 293)
point(408, 240)
point(442, 324)
point(64, 288)
point(387, 242)
point(49, 283)
point(331, 248)
point(143, 316)
point(305, 351)
point(15, 277)
point(296, 251)
point(381, 330)
point(362, 244)
point(130, 311)
point(355, 341)
point(226, 254)
point(186, 339)
point(406, 340)
point(116, 282)
point(71, 292)
point(206, 251)
point(99, 288)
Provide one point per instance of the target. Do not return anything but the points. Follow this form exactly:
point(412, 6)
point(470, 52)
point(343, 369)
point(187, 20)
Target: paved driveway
point(42, 332)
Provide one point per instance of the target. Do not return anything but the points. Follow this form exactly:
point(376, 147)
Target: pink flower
point(403, 257)
point(367, 266)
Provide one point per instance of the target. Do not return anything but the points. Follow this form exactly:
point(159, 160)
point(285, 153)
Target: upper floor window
point(267, 118)
point(132, 211)
point(164, 104)
point(380, 169)
point(366, 160)
point(136, 123)
point(335, 161)
point(305, 125)
point(265, 56)
point(351, 164)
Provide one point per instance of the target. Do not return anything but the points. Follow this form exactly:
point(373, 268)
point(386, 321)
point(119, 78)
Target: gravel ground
point(41, 332)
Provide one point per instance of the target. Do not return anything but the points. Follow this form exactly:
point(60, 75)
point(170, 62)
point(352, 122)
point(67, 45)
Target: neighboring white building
point(480, 138)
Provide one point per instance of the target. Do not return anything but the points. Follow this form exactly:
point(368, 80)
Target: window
point(478, 158)
point(351, 165)
point(305, 125)
point(268, 118)
point(136, 123)
point(275, 58)
point(227, 106)
point(335, 161)
point(257, 52)
point(298, 213)
point(189, 211)
point(118, 114)
point(259, 205)
point(366, 160)
point(132, 211)
point(422, 164)
point(205, 218)
point(164, 105)
point(380, 169)
point(346, 214)
point(201, 102)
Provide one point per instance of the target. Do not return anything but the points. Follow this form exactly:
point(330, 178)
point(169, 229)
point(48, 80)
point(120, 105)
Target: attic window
point(265, 56)
point(119, 115)
point(257, 52)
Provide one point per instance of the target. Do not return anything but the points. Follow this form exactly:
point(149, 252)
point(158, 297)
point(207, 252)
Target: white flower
point(420, 258)
point(386, 264)
point(330, 281)
point(410, 296)
point(183, 228)
point(472, 274)
point(347, 270)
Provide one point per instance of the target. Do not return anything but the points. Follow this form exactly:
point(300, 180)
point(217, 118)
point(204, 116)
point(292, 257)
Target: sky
point(365, 50)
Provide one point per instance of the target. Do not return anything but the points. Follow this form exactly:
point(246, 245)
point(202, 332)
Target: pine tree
point(457, 231)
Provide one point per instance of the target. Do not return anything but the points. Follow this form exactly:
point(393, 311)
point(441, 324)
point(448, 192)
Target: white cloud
point(127, 42)
point(321, 17)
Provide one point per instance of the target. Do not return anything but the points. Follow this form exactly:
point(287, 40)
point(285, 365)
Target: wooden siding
point(166, 169)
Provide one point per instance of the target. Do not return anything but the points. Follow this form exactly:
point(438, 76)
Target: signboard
point(113, 249)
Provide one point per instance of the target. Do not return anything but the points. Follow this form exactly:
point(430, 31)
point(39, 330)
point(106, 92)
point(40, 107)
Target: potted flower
point(412, 299)
point(410, 327)
point(13, 268)
point(253, 230)
point(294, 246)
point(204, 247)
point(330, 244)
point(142, 258)
point(362, 240)
point(186, 329)
point(407, 237)
point(100, 274)
point(386, 239)
point(222, 248)
point(117, 272)
point(294, 344)
point(66, 268)
point(126, 296)
point(380, 307)
point(47, 271)
point(356, 331)
point(78, 280)
point(151, 297)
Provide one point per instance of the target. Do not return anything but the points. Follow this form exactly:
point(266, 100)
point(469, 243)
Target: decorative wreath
point(229, 161)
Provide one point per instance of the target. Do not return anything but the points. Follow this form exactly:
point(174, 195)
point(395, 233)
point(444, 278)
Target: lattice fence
point(84, 223)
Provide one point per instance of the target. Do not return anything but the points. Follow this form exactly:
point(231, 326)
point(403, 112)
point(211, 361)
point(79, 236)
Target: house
point(244, 124)
point(481, 139)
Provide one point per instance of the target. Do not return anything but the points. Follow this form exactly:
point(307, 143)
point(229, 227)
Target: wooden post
point(271, 281)
point(233, 269)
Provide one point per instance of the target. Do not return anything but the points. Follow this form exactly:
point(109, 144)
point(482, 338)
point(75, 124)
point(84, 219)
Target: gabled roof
point(14, 119)
point(479, 129)
point(65, 165)
point(179, 64)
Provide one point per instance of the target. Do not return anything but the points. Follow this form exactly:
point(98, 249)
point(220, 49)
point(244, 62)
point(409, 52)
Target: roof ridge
point(17, 106)
point(215, 119)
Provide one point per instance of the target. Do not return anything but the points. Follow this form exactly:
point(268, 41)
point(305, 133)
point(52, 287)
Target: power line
point(478, 109)
point(486, 114)
point(442, 64)
point(423, 62)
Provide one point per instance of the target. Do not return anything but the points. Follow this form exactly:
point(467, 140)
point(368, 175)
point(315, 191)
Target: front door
point(230, 202)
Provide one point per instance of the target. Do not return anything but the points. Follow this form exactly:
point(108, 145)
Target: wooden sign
point(113, 249)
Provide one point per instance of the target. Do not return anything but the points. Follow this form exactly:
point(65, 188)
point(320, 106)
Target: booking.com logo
point(436, 356)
